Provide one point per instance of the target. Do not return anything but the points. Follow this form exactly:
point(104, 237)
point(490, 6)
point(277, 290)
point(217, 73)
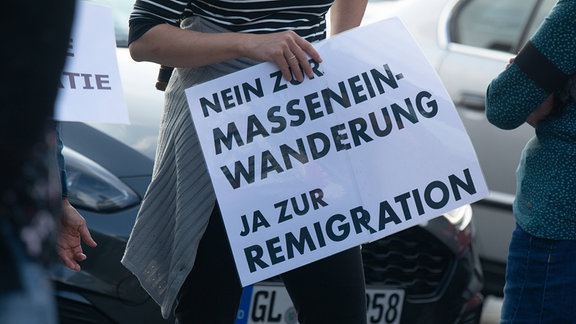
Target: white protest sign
point(370, 146)
point(90, 86)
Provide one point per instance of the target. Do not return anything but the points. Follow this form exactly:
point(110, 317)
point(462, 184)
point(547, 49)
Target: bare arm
point(73, 231)
point(172, 46)
point(346, 14)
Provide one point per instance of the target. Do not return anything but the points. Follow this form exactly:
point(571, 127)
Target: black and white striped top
point(305, 17)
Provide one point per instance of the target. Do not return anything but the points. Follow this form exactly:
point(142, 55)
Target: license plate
point(270, 303)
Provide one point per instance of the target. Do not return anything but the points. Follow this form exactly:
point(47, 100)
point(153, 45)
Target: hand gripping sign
point(368, 147)
point(90, 85)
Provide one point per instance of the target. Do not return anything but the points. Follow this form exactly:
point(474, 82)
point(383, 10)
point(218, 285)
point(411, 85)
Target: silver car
point(469, 42)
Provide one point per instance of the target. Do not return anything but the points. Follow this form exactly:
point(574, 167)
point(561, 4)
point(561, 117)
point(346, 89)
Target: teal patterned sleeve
point(513, 95)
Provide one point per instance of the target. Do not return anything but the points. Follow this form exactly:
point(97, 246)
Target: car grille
point(413, 260)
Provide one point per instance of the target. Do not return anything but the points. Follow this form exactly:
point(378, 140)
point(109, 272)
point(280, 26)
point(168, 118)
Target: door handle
point(472, 101)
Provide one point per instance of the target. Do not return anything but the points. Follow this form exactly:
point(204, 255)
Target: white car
point(469, 42)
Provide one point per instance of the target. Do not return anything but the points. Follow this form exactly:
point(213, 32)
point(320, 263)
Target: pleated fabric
point(177, 205)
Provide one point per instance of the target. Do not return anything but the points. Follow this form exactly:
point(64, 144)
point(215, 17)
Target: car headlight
point(91, 187)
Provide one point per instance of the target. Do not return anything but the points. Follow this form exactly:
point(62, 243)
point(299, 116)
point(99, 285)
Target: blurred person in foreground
point(36, 221)
point(178, 248)
point(538, 88)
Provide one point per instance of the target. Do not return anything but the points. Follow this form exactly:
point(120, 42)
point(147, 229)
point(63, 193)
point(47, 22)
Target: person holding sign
point(178, 248)
point(538, 88)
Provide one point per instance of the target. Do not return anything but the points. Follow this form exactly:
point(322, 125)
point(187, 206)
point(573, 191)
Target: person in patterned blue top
point(538, 88)
point(178, 248)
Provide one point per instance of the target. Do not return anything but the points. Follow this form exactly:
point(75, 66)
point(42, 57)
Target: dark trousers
point(331, 290)
point(540, 280)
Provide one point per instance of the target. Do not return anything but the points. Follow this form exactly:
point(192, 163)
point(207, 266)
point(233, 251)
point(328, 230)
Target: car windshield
point(121, 11)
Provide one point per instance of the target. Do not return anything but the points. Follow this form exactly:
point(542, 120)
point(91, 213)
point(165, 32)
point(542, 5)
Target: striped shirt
point(305, 17)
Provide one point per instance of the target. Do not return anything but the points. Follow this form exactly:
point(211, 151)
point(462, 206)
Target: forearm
point(346, 14)
point(171, 46)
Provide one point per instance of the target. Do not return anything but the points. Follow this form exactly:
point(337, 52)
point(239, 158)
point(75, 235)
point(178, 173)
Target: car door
point(481, 36)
